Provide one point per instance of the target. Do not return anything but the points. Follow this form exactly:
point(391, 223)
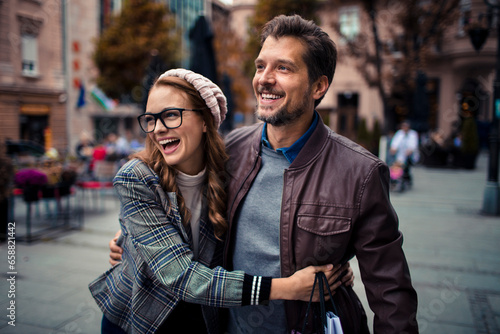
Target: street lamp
point(478, 35)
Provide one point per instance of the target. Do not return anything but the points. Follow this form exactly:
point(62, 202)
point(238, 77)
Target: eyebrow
point(279, 61)
point(167, 108)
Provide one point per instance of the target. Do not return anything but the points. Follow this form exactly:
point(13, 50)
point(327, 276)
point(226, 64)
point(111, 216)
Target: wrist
point(281, 288)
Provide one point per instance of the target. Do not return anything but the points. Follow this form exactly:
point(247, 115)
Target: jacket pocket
point(320, 239)
point(323, 225)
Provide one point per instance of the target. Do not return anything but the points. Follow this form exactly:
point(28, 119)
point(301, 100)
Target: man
point(332, 194)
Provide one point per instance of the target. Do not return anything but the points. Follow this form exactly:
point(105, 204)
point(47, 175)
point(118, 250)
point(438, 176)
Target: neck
point(286, 135)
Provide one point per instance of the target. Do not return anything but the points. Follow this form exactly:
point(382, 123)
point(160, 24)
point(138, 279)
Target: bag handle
point(322, 282)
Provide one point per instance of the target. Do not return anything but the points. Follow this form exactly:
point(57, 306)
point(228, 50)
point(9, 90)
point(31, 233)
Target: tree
point(123, 51)
point(395, 64)
point(230, 56)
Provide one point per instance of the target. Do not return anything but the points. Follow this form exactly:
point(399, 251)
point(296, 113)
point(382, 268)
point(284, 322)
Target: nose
point(159, 127)
point(266, 77)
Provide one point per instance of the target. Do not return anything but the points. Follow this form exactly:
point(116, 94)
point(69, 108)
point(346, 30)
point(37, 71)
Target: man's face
point(281, 82)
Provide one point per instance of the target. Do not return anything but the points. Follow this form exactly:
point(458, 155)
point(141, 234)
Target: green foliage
point(470, 137)
point(122, 52)
point(265, 10)
point(377, 131)
point(369, 139)
point(362, 134)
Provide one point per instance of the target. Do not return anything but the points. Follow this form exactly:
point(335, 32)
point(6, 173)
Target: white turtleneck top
point(191, 187)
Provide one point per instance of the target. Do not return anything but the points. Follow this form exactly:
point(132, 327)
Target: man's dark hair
point(321, 53)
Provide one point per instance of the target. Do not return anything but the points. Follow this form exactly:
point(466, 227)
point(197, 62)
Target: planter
point(433, 156)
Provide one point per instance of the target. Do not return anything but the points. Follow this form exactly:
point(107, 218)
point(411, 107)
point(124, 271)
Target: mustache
point(265, 90)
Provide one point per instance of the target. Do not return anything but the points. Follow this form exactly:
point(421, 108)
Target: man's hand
point(348, 278)
point(115, 251)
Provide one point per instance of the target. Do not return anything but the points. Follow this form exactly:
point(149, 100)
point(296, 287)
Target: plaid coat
point(158, 270)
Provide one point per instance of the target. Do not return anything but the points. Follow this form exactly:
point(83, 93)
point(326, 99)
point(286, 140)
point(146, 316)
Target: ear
point(320, 87)
point(204, 127)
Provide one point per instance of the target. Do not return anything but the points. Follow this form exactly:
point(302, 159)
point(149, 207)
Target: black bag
point(345, 304)
point(350, 311)
point(330, 322)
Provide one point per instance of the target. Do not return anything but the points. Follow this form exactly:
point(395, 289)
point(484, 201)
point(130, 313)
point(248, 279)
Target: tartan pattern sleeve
point(158, 268)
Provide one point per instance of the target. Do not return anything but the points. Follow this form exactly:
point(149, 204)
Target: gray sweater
point(257, 239)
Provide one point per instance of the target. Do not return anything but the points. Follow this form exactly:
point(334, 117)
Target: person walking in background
point(172, 222)
point(404, 148)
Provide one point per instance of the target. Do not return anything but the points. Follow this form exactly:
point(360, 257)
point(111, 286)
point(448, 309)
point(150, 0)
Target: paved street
point(452, 250)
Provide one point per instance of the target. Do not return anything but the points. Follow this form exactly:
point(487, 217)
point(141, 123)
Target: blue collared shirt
point(291, 152)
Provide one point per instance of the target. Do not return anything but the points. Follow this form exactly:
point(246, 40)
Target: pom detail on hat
point(209, 92)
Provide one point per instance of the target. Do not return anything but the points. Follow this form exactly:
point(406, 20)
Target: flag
point(81, 98)
point(101, 98)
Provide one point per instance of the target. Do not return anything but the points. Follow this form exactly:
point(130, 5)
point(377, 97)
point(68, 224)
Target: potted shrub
point(31, 181)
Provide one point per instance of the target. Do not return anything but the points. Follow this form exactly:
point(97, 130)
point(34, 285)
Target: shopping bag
point(329, 319)
point(333, 325)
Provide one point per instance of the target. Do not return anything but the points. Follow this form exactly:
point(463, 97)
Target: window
point(116, 7)
point(465, 16)
point(396, 46)
point(29, 30)
point(349, 22)
point(29, 52)
point(29, 45)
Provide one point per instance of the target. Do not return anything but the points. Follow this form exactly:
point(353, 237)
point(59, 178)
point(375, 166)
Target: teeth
point(167, 141)
point(270, 96)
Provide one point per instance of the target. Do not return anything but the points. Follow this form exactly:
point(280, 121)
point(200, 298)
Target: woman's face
point(182, 147)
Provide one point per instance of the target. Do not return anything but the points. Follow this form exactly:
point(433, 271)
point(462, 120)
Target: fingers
point(324, 268)
point(115, 254)
point(348, 279)
point(113, 247)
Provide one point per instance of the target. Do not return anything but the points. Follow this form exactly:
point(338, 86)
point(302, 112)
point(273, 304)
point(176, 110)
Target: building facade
point(47, 77)
point(32, 82)
point(457, 76)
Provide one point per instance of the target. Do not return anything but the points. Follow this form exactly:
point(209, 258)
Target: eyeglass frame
point(157, 116)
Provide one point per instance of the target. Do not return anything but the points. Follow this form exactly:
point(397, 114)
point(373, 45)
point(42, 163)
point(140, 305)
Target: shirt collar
point(291, 152)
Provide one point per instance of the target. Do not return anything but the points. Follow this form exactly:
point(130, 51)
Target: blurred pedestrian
point(404, 148)
point(85, 148)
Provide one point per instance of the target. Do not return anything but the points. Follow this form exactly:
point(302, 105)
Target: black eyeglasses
point(171, 118)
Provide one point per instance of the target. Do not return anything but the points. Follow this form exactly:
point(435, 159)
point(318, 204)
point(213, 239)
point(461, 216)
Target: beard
point(286, 114)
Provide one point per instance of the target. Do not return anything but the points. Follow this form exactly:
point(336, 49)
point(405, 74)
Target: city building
point(48, 92)
point(90, 111)
point(32, 81)
point(457, 76)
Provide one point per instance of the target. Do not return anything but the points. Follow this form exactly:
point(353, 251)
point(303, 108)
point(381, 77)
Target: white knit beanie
point(210, 92)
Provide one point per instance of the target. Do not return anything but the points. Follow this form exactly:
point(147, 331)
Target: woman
point(172, 219)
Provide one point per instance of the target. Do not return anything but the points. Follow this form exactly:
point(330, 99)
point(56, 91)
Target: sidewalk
point(452, 250)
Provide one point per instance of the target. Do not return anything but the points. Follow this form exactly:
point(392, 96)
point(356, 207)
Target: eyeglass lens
point(171, 118)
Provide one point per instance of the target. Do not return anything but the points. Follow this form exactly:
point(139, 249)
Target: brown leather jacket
point(335, 205)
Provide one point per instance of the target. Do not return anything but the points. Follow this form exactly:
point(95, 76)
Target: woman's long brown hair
point(215, 159)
